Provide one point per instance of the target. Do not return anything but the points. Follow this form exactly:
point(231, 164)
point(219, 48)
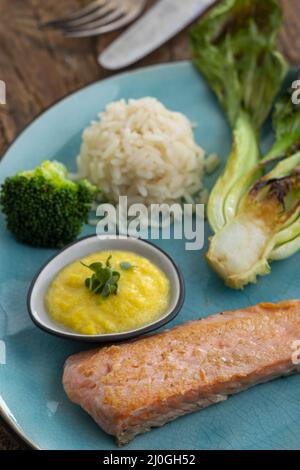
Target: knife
point(160, 23)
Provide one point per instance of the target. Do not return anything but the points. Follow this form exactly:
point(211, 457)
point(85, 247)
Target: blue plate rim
point(16, 431)
point(163, 65)
point(9, 420)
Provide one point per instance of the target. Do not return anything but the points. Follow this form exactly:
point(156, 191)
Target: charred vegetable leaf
point(265, 223)
point(254, 208)
point(234, 47)
point(264, 227)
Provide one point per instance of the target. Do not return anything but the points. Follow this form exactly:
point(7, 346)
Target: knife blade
point(158, 25)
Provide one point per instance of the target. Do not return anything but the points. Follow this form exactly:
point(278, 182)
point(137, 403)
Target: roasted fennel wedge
point(266, 219)
point(241, 250)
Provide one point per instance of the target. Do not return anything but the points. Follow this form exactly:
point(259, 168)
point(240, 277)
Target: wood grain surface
point(39, 67)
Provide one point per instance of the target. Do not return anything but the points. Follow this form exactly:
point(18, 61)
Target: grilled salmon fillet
point(131, 387)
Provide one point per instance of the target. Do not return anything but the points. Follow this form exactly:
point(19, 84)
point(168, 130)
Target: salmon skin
point(132, 387)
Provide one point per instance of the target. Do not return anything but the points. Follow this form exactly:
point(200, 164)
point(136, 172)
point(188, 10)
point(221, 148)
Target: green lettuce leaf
point(234, 47)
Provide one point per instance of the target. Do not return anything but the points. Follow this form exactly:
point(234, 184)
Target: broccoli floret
point(43, 207)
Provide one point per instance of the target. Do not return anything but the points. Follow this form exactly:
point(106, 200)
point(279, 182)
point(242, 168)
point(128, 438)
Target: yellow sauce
point(143, 296)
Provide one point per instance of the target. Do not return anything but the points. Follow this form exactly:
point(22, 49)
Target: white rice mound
point(142, 150)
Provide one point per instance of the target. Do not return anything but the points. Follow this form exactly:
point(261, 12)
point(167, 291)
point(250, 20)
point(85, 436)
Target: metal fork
point(99, 17)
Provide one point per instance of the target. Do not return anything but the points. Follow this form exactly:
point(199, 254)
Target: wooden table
point(41, 67)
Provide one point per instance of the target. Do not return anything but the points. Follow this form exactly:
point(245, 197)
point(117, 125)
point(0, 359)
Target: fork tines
point(100, 16)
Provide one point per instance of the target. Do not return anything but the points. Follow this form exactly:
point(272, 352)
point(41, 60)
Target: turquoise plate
point(32, 399)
